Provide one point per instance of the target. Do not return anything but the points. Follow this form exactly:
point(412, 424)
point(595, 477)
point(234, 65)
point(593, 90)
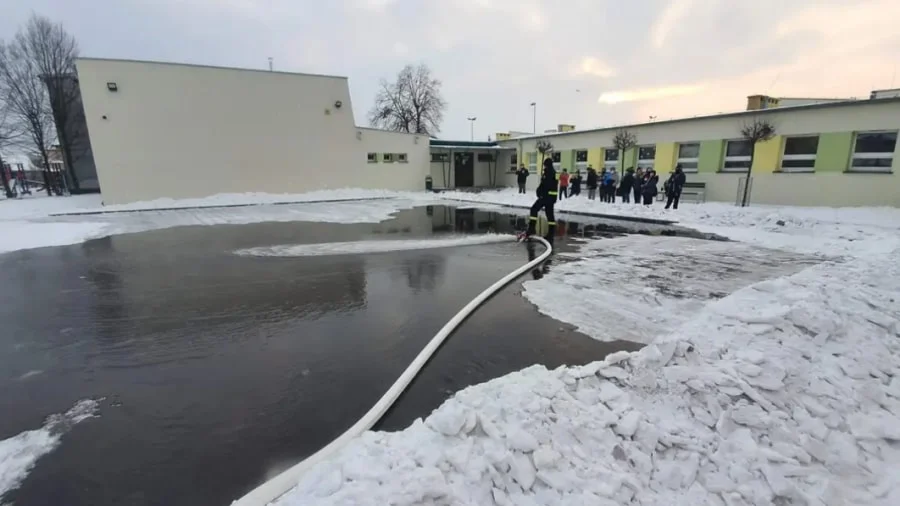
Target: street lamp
point(534, 117)
point(472, 127)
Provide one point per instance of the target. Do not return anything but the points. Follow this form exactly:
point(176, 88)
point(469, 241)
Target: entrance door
point(464, 170)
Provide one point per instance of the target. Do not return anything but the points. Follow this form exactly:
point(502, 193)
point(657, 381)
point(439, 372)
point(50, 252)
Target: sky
point(590, 63)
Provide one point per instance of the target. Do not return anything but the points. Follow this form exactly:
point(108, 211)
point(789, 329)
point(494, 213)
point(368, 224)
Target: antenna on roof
point(271, 66)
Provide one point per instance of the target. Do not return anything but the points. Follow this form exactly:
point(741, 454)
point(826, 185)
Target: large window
point(581, 157)
point(557, 158)
point(532, 162)
point(874, 151)
point(611, 158)
point(737, 156)
point(689, 156)
point(800, 154)
point(485, 157)
point(513, 162)
point(646, 156)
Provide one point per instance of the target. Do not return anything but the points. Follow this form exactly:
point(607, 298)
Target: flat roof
point(774, 110)
point(440, 143)
point(196, 65)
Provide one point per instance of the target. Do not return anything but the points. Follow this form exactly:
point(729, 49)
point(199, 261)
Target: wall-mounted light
point(338, 104)
point(113, 87)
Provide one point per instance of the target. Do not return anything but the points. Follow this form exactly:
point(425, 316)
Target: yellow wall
point(767, 155)
point(595, 158)
point(665, 157)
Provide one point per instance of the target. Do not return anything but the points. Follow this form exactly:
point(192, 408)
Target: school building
point(169, 130)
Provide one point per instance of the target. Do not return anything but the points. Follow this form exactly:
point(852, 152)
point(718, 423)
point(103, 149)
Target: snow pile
point(249, 198)
point(40, 205)
point(359, 247)
point(637, 288)
point(785, 391)
point(19, 454)
point(837, 231)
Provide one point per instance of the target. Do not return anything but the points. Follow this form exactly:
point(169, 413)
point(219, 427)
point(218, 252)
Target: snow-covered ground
point(19, 453)
point(754, 391)
point(43, 221)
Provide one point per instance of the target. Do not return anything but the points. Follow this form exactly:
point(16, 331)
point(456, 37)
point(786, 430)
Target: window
point(373, 157)
point(532, 162)
point(387, 158)
point(874, 151)
point(485, 157)
point(401, 157)
point(737, 156)
point(581, 159)
point(800, 154)
point(611, 158)
point(513, 162)
point(557, 158)
point(646, 156)
point(439, 157)
point(689, 156)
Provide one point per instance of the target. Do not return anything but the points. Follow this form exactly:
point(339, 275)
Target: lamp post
point(534, 117)
point(472, 127)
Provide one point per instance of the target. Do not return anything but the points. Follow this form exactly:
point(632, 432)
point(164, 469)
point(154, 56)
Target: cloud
point(645, 94)
point(668, 20)
point(590, 66)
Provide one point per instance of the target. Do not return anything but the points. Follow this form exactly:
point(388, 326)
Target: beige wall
point(408, 176)
point(182, 131)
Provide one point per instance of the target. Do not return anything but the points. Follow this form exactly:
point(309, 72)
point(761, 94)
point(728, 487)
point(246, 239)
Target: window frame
point(611, 164)
point(387, 157)
point(646, 163)
point(490, 157)
point(686, 162)
point(532, 162)
point(785, 157)
point(441, 157)
point(372, 157)
point(402, 157)
point(581, 164)
point(513, 163)
point(556, 156)
point(873, 155)
point(741, 158)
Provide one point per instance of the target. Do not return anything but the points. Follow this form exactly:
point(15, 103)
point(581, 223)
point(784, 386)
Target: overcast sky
point(587, 62)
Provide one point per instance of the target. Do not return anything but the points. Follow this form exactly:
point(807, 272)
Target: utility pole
point(271, 66)
point(534, 117)
point(472, 127)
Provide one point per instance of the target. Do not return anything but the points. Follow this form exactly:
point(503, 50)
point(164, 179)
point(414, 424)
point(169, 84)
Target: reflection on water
point(219, 368)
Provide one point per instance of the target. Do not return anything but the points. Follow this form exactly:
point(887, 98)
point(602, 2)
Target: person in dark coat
point(676, 184)
point(546, 198)
point(649, 189)
point(522, 178)
point(638, 184)
point(575, 183)
point(625, 187)
point(591, 183)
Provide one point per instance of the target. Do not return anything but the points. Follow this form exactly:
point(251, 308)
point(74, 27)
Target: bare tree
point(759, 130)
point(623, 140)
point(9, 134)
point(53, 51)
point(411, 104)
point(26, 97)
point(544, 147)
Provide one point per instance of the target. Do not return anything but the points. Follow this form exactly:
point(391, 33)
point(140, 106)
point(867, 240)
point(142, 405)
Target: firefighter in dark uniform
point(546, 198)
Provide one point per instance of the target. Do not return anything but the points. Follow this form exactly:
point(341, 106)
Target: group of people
point(642, 184)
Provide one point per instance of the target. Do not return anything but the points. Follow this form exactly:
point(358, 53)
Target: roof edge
point(200, 65)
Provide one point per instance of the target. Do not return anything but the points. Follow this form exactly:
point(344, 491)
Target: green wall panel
point(567, 160)
point(711, 153)
point(834, 151)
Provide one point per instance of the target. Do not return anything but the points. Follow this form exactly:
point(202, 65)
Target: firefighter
point(547, 192)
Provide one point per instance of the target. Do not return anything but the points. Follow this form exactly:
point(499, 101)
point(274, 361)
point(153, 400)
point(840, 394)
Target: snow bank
point(19, 454)
point(359, 247)
point(754, 391)
point(840, 231)
point(784, 391)
point(40, 205)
